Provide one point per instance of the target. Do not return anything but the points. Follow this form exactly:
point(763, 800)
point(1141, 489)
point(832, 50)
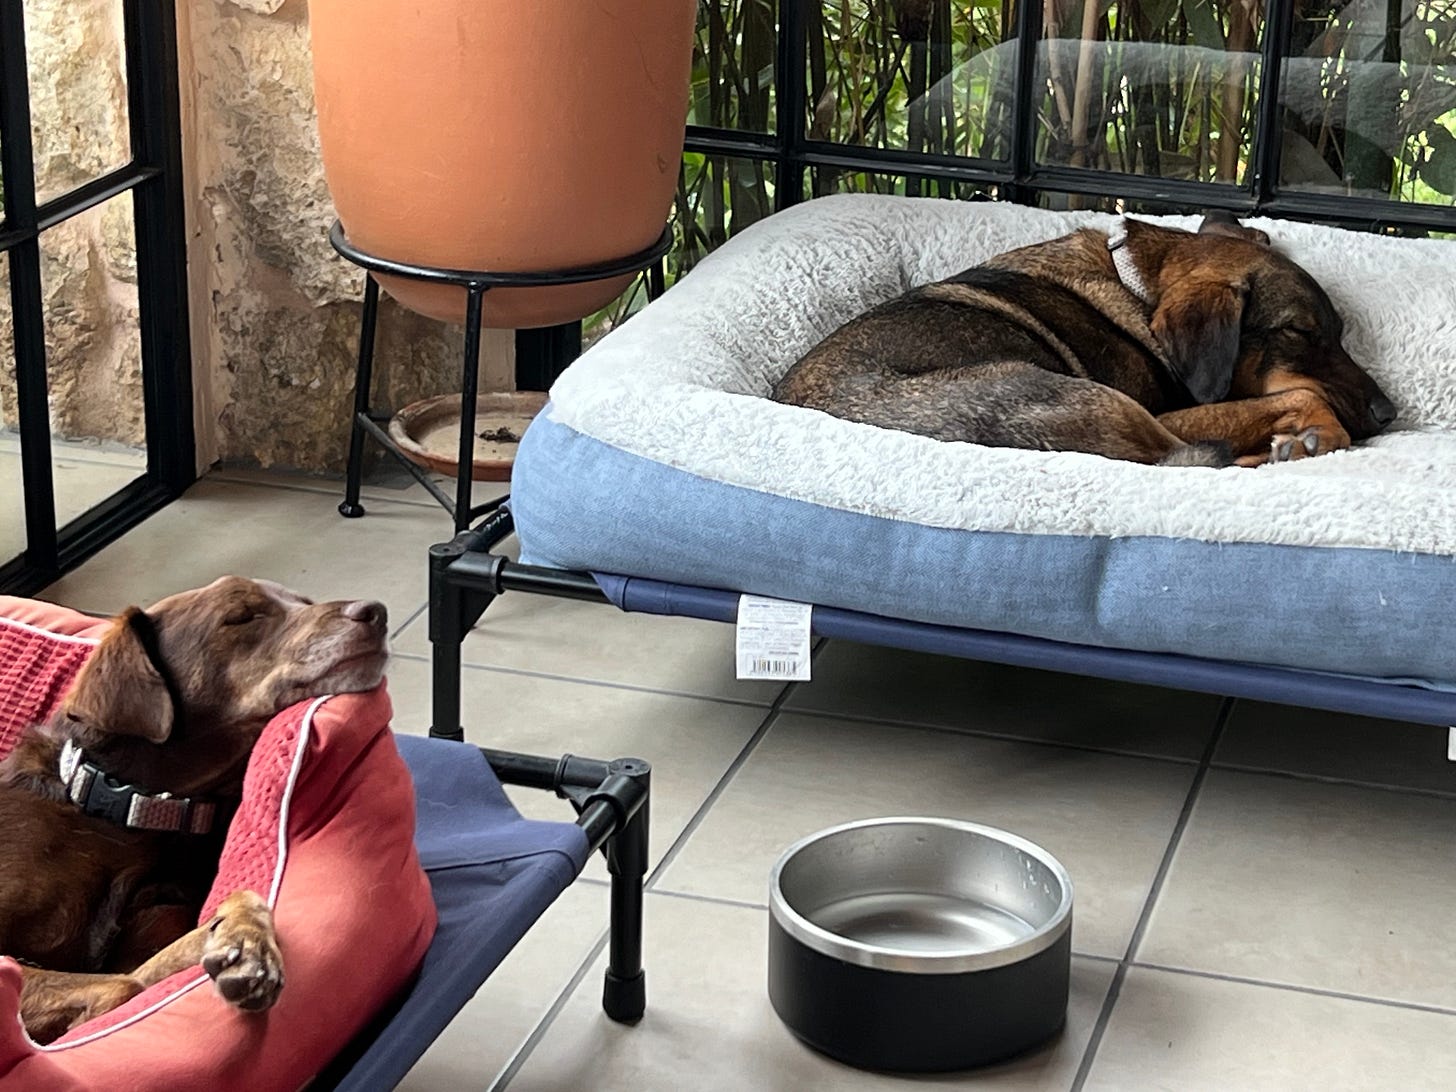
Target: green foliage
point(1159, 87)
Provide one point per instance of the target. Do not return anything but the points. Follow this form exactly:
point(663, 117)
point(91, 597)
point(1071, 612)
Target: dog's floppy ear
point(1219, 222)
point(119, 690)
point(1197, 322)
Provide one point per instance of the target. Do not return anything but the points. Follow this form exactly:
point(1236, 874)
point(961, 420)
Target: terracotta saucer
point(428, 432)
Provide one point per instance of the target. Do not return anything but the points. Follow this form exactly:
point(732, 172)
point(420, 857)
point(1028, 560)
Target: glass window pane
point(933, 76)
point(717, 197)
point(733, 65)
point(1369, 98)
point(1119, 206)
point(93, 356)
point(1159, 87)
point(75, 53)
point(827, 180)
point(12, 499)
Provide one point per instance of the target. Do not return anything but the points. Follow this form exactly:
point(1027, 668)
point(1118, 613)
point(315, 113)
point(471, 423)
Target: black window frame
point(154, 179)
point(1021, 179)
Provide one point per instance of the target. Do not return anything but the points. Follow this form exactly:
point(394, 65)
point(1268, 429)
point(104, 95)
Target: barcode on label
point(775, 667)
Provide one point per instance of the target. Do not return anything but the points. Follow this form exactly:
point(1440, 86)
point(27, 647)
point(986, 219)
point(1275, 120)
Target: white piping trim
point(37, 630)
point(305, 733)
point(161, 1002)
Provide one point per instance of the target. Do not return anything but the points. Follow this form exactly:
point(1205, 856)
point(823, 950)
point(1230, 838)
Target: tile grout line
point(940, 729)
point(319, 491)
point(983, 733)
point(1348, 782)
point(288, 487)
point(714, 900)
point(1185, 815)
point(424, 658)
point(1291, 987)
point(533, 1040)
point(407, 623)
point(741, 760)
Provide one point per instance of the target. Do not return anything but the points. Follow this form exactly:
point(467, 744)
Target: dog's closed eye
point(240, 616)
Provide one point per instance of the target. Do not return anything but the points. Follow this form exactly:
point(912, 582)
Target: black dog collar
point(97, 793)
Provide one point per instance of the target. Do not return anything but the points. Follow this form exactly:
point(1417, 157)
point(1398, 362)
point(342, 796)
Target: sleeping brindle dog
point(100, 889)
point(1153, 345)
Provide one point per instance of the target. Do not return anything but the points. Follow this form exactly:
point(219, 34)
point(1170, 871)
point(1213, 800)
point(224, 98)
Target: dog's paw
point(241, 954)
point(1287, 447)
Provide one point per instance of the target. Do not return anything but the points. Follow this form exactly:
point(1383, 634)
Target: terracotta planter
point(502, 135)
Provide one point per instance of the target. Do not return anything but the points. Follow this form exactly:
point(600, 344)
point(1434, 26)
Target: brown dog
point(114, 814)
point(1152, 344)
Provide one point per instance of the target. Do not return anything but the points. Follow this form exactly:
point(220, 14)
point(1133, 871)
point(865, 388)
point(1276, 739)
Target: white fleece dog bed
point(660, 456)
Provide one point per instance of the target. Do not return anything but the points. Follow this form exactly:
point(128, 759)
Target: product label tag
point(773, 639)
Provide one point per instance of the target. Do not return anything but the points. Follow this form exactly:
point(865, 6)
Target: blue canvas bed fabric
point(492, 875)
point(580, 504)
point(660, 458)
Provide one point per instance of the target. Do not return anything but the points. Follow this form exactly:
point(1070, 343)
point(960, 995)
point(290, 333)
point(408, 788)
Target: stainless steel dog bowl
point(919, 945)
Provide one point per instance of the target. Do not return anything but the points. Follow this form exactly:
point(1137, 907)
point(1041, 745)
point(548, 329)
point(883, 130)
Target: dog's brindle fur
point(1235, 357)
point(100, 911)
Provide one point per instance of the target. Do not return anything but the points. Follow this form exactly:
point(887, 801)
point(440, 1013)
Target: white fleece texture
point(685, 383)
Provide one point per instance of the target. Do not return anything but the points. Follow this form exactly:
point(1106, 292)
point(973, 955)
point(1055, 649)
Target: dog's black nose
point(368, 612)
point(1382, 411)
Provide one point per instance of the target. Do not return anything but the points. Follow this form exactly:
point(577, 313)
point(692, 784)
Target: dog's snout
point(367, 611)
point(1382, 411)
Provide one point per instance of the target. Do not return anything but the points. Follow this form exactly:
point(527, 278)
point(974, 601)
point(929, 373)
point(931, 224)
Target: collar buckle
point(99, 795)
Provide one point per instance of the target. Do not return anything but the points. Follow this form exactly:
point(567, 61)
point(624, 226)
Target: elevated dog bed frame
point(466, 576)
point(660, 478)
point(493, 874)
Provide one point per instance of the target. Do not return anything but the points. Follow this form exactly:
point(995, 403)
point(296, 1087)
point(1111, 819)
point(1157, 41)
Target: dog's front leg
point(1293, 424)
point(53, 1002)
point(238, 948)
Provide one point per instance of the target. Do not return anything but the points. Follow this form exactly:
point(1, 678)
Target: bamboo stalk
point(1237, 44)
point(1052, 27)
point(1081, 103)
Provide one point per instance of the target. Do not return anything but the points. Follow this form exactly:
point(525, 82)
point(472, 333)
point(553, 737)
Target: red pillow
point(325, 833)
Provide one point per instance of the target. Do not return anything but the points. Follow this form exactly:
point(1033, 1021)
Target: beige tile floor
point(1264, 894)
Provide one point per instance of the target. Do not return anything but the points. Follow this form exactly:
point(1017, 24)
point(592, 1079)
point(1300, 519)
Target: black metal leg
point(448, 626)
point(656, 279)
point(624, 993)
point(469, 386)
point(363, 380)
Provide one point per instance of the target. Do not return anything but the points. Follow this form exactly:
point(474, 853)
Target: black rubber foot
point(458, 735)
point(350, 511)
point(625, 999)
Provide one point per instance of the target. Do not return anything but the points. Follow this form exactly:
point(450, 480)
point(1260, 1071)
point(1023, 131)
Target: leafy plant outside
point(1167, 88)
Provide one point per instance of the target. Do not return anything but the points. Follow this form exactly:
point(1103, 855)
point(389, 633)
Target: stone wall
point(274, 311)
point(88, 263)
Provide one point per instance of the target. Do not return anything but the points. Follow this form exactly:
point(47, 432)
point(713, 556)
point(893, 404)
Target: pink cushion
point(325, 833)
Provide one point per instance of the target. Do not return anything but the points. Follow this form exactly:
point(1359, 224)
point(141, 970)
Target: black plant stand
point(476, 283)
